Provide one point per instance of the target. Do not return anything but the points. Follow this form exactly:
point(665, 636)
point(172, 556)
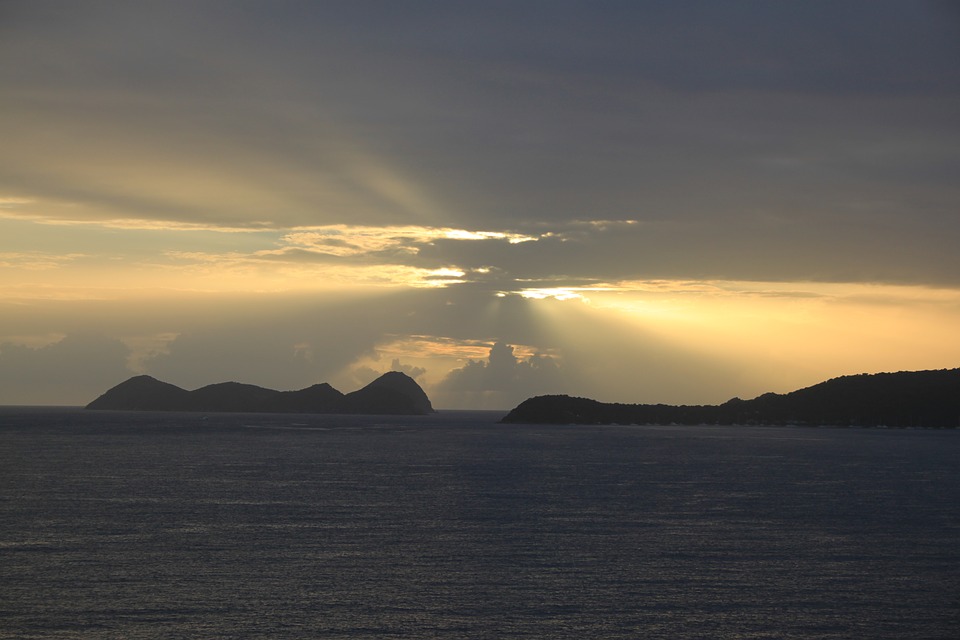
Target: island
point(393, 393)
point(902, 399)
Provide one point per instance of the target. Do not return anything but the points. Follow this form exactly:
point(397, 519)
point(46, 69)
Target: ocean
point(154, 525)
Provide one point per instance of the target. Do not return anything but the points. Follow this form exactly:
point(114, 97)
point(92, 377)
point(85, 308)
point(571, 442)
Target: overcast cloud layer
point(428, 185)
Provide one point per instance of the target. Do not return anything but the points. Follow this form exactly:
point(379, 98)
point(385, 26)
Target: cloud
point(284, 349)
point(389, 241)
point(72, 371)
point(558, 155)
point(36, 260)
point(503, 381)
point(253, 115)
point(409, 369)
point(358, 376)
point(641, 341)
point(286, 341)
point(748, 142)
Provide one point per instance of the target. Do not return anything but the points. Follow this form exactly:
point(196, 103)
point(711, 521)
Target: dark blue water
point(120, 525)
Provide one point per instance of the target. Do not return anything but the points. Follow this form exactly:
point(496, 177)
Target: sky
point(633, 201)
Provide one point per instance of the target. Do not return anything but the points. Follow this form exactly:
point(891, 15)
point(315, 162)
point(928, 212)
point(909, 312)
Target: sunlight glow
point(789, 334)
point(512, 238)
point(350, 240)
point(426, 346)
point(695, 342)
point(558, 293)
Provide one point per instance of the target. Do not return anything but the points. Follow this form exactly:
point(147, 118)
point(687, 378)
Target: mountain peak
point(140, 393)
point(393, 392)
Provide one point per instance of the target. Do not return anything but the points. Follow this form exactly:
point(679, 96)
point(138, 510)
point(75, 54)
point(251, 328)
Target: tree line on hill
point(902, 399)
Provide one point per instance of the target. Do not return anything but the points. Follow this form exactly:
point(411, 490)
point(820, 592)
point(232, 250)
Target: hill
point(903, 399)
point(392, 389)
point(392, 393)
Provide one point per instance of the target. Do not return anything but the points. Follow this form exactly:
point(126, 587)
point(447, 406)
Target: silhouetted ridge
point(391, 393)
point(904, 399)
point(229, 396)
point(319, 398)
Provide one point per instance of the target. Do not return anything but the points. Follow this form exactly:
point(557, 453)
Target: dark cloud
point(72, 371)
point(286, 347)
point(749, 140)
point(851, 245)
point(288, 342)
point(409, 369)
point(502, 382)
point(488, 114)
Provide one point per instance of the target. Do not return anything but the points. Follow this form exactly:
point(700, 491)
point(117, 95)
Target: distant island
point(393, 393)
point(903, 399)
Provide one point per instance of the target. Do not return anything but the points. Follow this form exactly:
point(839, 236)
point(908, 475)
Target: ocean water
point(151, 525)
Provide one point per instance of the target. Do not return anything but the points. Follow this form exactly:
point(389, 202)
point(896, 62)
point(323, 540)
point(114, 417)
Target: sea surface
point(153, 525)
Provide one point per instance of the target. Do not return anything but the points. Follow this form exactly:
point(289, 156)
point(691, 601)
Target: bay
point(153, 525)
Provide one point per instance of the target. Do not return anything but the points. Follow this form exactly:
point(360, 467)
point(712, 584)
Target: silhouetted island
point(391, 393)
point(904, 399)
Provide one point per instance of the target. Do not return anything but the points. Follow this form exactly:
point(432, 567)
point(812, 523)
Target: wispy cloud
point(37, 260)
point(12, 203)
point(128, 224)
